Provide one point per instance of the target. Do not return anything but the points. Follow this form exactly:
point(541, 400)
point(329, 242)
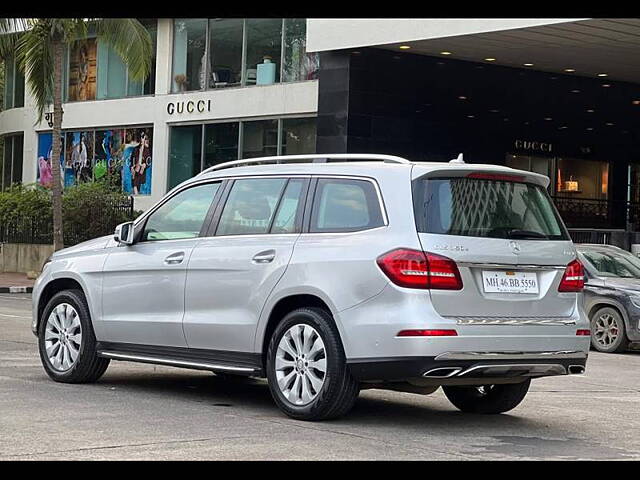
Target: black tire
point(621, 343)
point(488, 399)
point(339, 390)
point(88, 366)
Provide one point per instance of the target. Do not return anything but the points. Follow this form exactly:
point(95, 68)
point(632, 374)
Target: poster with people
point(44, 173)
point(120, 156)
point(82, 70)
point(78, 164)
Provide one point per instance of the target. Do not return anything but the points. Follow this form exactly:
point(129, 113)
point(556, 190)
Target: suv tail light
point(573, 278)
point(417, 269)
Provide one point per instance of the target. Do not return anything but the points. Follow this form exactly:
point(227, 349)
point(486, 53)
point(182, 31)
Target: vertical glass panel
point(221, 143)
point(189, 42)
point(225, 52)
point(185, 148)
point(264, 42)
point(16, 175)
point(149, 86)
point(136, 171)
point(298, 64)
point(112, 73)
point(250, 206)
point(259, 139)
point(298, 136)
point(18, 97)
point(8, 83)
point(8, 155)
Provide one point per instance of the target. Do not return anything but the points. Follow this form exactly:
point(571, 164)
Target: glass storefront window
point(190, 152)
point(264, 46)
point(11, 162)
point(13, 94)
point(189, 49)
point(260, 138)
point(298, 136)
point(225, 52)
point(297, 63)
point(185, 153)
point(582, 178)
point(220, 143)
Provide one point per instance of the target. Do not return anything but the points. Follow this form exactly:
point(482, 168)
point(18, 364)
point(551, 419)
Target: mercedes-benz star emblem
point(515, 247)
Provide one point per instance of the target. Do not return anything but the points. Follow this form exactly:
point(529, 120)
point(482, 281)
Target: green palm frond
point(35, 55)
point(10, 31)
point(131, 40)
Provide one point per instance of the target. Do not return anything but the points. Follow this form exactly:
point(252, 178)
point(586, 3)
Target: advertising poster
point(120, 156)
point(78, 164)
point(82, 70)
point(44, 173)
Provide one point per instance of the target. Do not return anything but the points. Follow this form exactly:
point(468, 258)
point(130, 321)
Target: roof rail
point(311, 158)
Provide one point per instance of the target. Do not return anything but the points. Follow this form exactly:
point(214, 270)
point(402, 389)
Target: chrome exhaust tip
point(442, 372)
point(576, 369)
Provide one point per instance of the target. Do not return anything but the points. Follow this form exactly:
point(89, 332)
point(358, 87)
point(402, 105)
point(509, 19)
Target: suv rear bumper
point(462, 366)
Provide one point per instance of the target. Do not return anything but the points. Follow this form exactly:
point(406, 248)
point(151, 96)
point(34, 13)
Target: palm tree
point(38, 45)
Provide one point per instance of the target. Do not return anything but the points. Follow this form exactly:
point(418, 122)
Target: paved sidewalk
point(15, 283)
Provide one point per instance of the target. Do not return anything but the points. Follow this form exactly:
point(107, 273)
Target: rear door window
point(480, 207)
point(251, 206)
point(345, 205)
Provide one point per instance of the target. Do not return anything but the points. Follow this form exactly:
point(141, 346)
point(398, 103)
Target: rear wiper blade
point(525, 234)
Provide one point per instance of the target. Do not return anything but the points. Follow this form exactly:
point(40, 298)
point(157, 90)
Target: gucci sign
point(190, 106)
point(533, 145)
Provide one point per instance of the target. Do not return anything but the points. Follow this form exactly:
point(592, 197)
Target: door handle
point(174, 258)
point(266, 256)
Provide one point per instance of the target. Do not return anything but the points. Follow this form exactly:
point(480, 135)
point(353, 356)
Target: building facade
point(557, 96)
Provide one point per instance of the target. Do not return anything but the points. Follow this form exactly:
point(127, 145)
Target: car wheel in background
point(607, 331)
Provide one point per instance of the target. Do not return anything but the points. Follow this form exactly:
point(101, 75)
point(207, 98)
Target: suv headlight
point(46, 263)
point(635, 299)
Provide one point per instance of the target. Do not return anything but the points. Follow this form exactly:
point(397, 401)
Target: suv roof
point(346, 163)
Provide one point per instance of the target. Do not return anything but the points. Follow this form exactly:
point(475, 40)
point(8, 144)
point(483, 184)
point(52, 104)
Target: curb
point(16, 289)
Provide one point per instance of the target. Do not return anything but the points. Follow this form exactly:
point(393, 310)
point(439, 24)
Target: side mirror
point(124, 233)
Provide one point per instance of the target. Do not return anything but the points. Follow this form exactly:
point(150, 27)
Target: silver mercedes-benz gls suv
point(328, 274)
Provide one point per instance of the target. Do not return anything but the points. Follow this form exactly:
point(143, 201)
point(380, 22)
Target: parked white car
point(327, 274)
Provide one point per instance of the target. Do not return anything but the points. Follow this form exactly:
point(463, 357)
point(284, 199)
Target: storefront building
point(556, 96)
point(219, 90)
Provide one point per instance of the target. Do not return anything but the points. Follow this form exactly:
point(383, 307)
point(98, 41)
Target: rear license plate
point(509, 282)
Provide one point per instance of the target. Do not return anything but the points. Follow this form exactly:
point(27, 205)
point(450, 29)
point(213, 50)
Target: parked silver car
point(611, 296)
point(327, 274)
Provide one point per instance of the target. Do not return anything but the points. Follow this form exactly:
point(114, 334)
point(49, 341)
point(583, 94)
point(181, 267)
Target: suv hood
point(96, 243)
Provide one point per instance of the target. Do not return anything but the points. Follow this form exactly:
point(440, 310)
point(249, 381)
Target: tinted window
point(345, 205)
point(181, 216)
point(485, 208)
point(251, 206)
point(614, 264)
point(288, 210)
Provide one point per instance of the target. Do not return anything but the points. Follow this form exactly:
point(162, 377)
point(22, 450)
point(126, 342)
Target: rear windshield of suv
point(485, 208)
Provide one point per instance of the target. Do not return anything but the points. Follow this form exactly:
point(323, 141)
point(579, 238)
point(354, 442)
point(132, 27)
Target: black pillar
point(333, 102)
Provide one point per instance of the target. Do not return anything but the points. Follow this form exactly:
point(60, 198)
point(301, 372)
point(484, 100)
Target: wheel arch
point(50, 289)
point(288, 304)
point(602, 303)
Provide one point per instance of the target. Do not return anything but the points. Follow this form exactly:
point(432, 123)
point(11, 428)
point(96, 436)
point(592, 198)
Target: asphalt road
point(139, 411)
